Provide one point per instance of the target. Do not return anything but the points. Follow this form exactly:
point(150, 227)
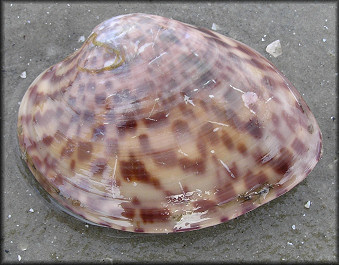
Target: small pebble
point(86, 226)
point(332, 118)
point(31, 210)
point(19, 257)
point(324, 40)
point(23, 74)
point(308, 204)
point(293, 227)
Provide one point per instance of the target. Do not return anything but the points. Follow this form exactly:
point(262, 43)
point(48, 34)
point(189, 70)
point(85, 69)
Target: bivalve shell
point(158, 126)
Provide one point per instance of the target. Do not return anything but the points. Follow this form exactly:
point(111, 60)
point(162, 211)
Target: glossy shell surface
point(158, 126)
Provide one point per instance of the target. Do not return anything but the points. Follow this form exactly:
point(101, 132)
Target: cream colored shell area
point(101, 198)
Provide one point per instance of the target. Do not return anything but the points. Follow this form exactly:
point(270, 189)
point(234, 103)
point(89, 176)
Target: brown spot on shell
point(258, 154)
point(203, 104)
point(127, 124)
point(49, 163)
point(47, 140)
point(156, 120)
point(207, 31)
point(275, 119)
point(88, 116)
point(224, 219)
point(139, 230)
point(180, 128)
point(144, 143)
point(268, 82)
point(242, 148)
point(289, 120)
point(246, 50)
point(234, 169)
point(283, 162)
point(84, 150)
point(59, 112)
point(63, 127)
point(68, 149)
point(26, 119)
point(254, 180)
point(206, 132)
point(43, 119)
point(299, 146)
point(204, 205)
point(220, 42)
point(98, 132)
point(39, 98)
point(195, 166)
point(111, 147)
point(225, 193)
point(129, 211)
point(72, 165)
point(98, 166)
point(167, 158)
point(254, 128)
point(135, 170)
point(151, 215)
point(37, 163)
point(135, 201)
point(257, 64)
point(202, 149)
point(227, 140)
point(58, 180)
point(299, 106)
point(100, 98)
point(110, 117)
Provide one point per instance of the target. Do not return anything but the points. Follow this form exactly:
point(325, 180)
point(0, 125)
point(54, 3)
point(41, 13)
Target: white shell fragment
point(81, 39)
point(23, 74)
point(274, 48)
point(215, 27)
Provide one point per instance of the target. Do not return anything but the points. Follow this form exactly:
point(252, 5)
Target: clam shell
point(158, 126)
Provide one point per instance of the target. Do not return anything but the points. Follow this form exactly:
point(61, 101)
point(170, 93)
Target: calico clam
point(158, 126)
